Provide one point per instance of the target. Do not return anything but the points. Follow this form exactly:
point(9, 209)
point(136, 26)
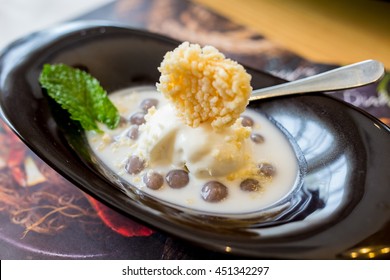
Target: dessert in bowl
point(197, 168)
point(190, 142)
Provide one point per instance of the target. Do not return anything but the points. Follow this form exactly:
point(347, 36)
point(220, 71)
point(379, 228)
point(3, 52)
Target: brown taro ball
point(153, 180)
point(247, 121)
point(137, 118)
point(257, 138)
point(132, 133)
point(214, 191)
point(177, 178)
point(250, 185)
point(266, 169)
point(134, 165)
point(148, 103)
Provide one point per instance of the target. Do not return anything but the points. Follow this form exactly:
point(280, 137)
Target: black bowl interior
point(343, 204)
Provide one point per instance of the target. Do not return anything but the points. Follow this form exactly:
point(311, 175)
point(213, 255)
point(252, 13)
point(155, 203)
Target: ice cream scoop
point(203, 151)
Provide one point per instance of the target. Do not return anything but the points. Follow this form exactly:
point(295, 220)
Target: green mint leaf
point(80, 94)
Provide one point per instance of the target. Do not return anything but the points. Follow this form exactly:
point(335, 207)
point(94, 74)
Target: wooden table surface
point(336, 32)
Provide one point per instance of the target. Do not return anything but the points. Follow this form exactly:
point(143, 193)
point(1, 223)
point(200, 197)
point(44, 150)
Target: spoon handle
point(350, 76)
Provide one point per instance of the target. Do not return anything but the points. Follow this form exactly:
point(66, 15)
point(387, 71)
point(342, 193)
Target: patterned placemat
point(43, 216)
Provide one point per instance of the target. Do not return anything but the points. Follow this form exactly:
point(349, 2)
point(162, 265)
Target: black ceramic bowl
point(342, 205)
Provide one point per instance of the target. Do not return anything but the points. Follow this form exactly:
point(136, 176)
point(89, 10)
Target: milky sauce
point(115, 147)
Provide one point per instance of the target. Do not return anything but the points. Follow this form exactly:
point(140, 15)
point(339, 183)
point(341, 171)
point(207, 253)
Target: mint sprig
point(80, 94)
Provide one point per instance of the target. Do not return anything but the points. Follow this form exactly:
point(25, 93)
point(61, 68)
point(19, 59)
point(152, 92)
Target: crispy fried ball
point(204, 86)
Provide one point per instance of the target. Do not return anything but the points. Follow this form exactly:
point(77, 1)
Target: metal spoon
point(350, 76)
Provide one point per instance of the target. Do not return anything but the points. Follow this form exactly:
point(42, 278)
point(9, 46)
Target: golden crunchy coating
point(204, 86)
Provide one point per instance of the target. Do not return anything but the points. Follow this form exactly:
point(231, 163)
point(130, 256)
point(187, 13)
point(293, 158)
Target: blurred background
point(336, 32)
point(20, 17)
point(339, 32)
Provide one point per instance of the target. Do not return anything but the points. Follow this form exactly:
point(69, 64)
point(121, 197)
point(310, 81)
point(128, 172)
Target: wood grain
point(338, 32)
